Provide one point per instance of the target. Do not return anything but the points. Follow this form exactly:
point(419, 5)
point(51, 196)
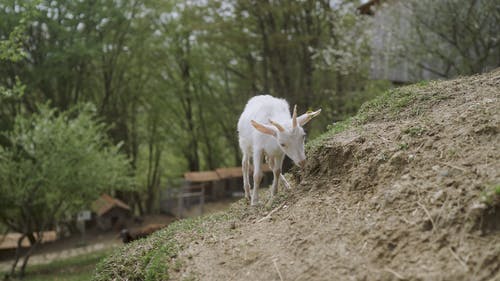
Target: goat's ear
point(306, 117)
point(265, 129)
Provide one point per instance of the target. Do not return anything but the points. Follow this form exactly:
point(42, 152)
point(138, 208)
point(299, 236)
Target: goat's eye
point(282, 144)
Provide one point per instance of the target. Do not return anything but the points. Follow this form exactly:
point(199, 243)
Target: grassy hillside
point(406, 190)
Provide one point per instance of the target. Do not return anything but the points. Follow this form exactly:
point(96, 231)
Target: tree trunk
point(155, 181)
point(34, 242)
point(138, 202)
point(18, 254)
point(191, 152)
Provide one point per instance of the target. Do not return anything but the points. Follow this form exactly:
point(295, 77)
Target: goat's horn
point(294, 116)
point(278, 126)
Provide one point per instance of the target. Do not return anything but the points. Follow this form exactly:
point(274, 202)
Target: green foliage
point(11, 51)
point(16, 92)
point(11, 48)
point(173, 77)
point(55, 164)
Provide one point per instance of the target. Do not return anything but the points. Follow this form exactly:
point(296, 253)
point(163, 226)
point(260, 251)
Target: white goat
point(266, 127)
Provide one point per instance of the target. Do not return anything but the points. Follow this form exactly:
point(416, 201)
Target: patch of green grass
point(491, 195)
point(149, 259)
point(423, 83)
point(156, 257)
point(189, 278)
point(77, 268)
point(414, 131)
point(403, 146)
point(332, 130)
point(178, 264)
point(387, 105)
point(452, 152)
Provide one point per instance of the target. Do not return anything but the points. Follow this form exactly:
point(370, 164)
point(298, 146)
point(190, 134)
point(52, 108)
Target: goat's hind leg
point(245, 166)
point(257, 176)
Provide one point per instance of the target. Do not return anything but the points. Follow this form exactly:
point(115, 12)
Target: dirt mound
point(396, 198)
point(402, 194)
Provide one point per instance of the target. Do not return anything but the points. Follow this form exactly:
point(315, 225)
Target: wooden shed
point(111, 213)
point(232, 179)
point(208, 181)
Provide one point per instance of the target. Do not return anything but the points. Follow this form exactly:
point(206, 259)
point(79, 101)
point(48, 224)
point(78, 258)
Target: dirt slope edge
point(400, 195)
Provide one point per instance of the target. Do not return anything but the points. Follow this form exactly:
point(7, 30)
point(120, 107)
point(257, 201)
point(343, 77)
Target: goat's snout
point(302, 163)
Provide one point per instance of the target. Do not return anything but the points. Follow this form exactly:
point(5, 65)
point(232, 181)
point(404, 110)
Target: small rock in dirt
point(427, 225)
point(428, 144)
point(438, 196)
point(398, 159)
point(478, 206)
point(232, 225)
point(406, 177)
point(477, 209)
point(451, 182)
point(444, 173)
point(391, 246)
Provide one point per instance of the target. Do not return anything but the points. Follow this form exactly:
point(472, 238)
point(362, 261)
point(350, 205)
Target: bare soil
point(398, 198)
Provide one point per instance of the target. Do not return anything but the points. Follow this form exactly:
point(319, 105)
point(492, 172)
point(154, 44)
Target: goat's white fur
point(266, 128)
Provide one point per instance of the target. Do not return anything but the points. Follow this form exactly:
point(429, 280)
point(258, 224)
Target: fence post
point(202, 200)
point(180, 206)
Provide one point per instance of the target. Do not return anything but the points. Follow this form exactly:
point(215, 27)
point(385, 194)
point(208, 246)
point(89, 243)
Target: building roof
point(218, 174)
point(204, 176)
point(230, 172)
point(9, 241)
point(105, 203)
point(236, 172)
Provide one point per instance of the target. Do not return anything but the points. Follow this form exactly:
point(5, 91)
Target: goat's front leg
point(276, 165)
point(257, 175)
point(245, 166)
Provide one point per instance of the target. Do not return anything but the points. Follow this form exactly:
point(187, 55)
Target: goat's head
point(291, 140)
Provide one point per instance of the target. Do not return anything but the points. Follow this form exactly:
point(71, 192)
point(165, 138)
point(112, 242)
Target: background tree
point(172, 77)
point(444, 38)
point(57, 164)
